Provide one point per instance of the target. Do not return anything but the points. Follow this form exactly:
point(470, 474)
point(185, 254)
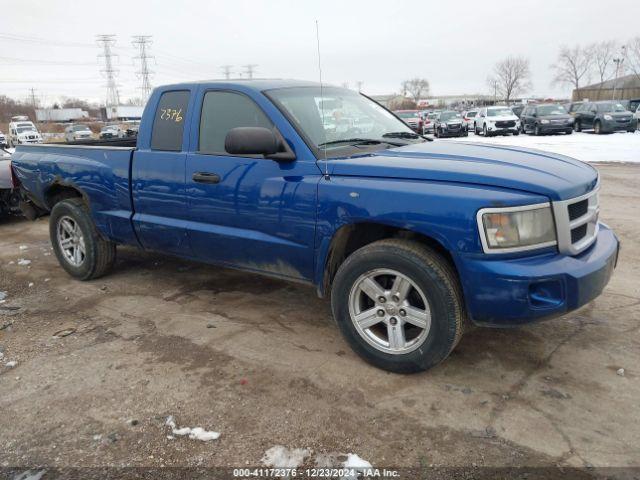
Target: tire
point(485, 132)
point(577, 126)
point(536, 131)
point(431, 277)
point(99, 254)
point(475, 129)
point(569, 132)
point(516, 133)
point(597, 128)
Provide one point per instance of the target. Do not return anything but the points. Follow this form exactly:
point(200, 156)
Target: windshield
point(347, 116)
point(80, 128)
point(471, 114)
point(444, 116)
point(499, 112)
point(104, 129)
point(551, 110)
point(611, 107)
point(25, 129)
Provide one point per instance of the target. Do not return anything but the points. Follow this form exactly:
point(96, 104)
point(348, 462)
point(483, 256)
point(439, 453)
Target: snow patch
point(24, 261)
point(283, 457)
point(30, 475)
point(23, 247)
point(195, 433)
point(3, 295)
point(11, 364)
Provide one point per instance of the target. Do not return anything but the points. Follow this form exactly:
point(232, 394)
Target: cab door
point(158, 175)
point(249, 212)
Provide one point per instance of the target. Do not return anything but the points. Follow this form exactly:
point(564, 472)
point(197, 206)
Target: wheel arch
point(59, 191)
point(352, 236)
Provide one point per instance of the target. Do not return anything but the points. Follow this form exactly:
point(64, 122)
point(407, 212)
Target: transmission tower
point(250, 69)
point(143, 42)
point(226, 71)
point(107, 42)
point(32, 98)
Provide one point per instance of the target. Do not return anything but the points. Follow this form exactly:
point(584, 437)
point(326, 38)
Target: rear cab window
point(168, 123)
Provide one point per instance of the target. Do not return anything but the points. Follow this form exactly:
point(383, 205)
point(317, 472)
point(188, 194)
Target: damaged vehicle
point(411, 240)
point(9, 193)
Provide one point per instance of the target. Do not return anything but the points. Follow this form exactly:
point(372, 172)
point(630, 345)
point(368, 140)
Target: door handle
point(206, 177)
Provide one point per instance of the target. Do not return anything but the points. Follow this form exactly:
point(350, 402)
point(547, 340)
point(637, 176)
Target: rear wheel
point(569, 132)
point(80, 249)
point(577, 126)
point(485, 132)
point(399, 305)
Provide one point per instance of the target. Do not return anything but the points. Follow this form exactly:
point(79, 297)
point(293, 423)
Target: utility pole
point(32, 98)
point(618, 61)
point(143, 42)
point(250, 69)
point(107, 42)
point(226, 71)
point(359, 84)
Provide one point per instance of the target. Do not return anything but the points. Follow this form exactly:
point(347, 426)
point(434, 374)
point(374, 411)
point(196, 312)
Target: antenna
point(326, 164)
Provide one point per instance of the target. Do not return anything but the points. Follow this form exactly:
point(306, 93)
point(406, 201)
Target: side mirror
point(251, 141)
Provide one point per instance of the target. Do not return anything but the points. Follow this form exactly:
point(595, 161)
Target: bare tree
point(511, 77)
point(572, 65)
point(602, 55)
point(632, 56)
point(416, 88)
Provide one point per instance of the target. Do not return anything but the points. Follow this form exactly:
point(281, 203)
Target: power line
point(107, 42)
point(143, 42)
point(250, 69)
point(226, 71)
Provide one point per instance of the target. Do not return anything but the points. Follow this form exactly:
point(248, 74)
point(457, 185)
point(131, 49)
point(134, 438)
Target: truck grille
point(577, 222)
point(506, 124)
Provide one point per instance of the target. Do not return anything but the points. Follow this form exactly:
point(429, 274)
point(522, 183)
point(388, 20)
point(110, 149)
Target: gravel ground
point(260, 361)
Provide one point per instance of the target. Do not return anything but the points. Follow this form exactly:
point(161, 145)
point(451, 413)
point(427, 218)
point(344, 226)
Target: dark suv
point(604, 117)
point(546, 118)
point(450, 124)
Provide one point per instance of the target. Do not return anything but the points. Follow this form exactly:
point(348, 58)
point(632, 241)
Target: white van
point(23, 131)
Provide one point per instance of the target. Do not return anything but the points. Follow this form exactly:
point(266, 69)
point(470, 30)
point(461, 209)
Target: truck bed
point(110, 142)
point(102, 172)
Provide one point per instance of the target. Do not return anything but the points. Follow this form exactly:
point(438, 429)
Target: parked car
point(411, 118)
point(604, 117)
point(429, 122)
point(132, 129)
point(73, 133)
point(23, 131)
point(637, 117)
point(9, 193)
point(3, 140)
point(496, 120)
point(450, 124)
point(469, 117)
point(412, 240)
point(112, 131)
point(546, 118)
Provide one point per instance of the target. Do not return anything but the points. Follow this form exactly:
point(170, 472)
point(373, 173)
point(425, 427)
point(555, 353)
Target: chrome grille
point(577, 222)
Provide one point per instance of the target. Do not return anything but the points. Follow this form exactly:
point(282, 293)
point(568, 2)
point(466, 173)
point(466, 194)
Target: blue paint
point(280, 218)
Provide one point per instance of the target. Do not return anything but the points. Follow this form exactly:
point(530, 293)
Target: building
point(623, 88)
point(60, 114)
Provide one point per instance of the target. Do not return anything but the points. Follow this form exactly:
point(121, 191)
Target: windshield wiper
point(413, 136)
point(359, 141)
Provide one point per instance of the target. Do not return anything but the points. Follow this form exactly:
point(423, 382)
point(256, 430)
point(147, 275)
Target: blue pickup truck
point(413, 240)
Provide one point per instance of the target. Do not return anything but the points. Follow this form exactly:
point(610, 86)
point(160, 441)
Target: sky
point(50, 45)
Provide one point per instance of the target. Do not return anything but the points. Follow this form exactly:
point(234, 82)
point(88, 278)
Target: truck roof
point(255, 84)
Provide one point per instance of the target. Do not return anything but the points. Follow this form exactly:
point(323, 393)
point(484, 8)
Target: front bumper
point(556, 127)
point(495, 129)
point(614, 126)
point(517, 291)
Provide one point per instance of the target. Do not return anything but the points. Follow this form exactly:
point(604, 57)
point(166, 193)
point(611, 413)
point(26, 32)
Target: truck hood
point(555, 176)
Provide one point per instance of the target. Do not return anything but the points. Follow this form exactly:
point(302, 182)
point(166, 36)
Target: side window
point(222, 111)
point(168, 124)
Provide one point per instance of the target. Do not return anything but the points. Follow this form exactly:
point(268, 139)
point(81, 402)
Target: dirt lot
point(260, 361)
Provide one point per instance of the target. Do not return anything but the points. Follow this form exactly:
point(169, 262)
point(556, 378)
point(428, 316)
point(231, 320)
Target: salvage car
point(412, 240)
point(9, 193)
point(449, 124)
point(23, 131)
point(546, 118)
point(112, 131)
point(604, 117)
point(3, 140)
point(496, 121)
point(74, 133)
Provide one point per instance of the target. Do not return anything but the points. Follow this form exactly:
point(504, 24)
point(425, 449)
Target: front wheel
point(577, 126)
point(597, 128)
point(537, 131)
point(80, 249)
point(399, 305)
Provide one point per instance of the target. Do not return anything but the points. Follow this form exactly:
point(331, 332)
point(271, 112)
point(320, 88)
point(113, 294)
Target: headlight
point(544, 121)
point(513, 229)
point(608, 117)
